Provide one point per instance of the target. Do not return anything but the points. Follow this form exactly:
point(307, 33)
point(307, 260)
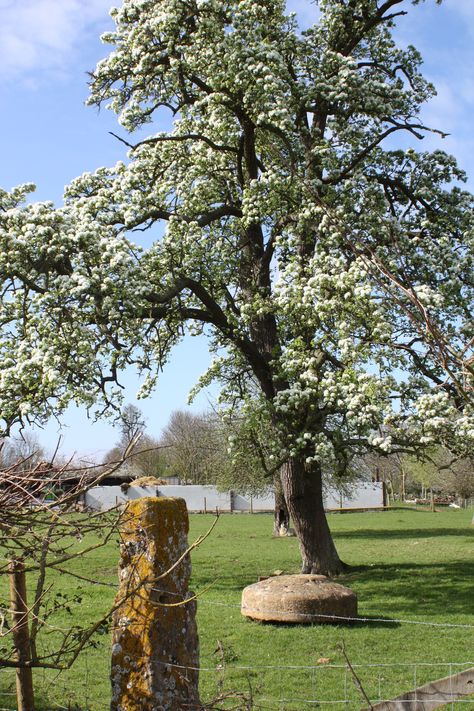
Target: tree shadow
point(388, 534)
point(427, 589)
point(42, 703)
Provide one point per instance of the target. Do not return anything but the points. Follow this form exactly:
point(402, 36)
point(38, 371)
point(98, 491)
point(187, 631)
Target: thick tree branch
point(178, 139)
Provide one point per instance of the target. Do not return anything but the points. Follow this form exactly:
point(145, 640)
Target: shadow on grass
point(403, 533)
point(372, 620)
point(427, 589)
point(416, 588)
point(42, 703)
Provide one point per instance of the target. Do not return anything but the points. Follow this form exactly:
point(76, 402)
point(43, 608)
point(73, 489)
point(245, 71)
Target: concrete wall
point(207, 498)
point(198, 498)
point(364, 496)
point(253, 503)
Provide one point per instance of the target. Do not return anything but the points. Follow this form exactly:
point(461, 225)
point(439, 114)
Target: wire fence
point(313, 686)
point(316, 617)
point(280, 687)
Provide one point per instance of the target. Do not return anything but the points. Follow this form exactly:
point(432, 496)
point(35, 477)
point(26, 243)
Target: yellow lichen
point(153, 644)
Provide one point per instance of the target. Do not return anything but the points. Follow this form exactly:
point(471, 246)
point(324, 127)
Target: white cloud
point(38, 37)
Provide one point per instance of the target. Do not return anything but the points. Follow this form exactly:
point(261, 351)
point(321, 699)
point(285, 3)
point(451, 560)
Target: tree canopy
point(297, 239)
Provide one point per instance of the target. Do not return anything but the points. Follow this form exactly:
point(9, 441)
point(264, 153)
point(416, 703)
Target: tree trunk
point(281, 524)
point(21, 636)
point(302, 486)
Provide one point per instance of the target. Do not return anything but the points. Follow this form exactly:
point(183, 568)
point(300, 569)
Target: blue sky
point(48, 136)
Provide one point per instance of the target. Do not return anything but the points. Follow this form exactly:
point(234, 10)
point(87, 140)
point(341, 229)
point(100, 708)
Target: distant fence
point(208, 498)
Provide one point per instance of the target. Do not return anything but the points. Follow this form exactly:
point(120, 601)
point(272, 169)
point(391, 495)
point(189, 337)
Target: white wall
point(253, 503)
point(364, 496)
point(198, 498)
point(207, 498)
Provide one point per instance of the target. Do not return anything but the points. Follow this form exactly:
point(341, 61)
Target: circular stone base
point(298, 598)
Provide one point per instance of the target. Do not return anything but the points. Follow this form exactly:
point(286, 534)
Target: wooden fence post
point(21, 635)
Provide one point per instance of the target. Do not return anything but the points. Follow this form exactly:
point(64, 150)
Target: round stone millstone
point(298, 599)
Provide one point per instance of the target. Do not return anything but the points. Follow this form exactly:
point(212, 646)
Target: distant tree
point(424, 469)
point(147, 456)
point(462, 478)
point(441, 471)
point(24, 449)
point(207, 449)
point(193, 448)
point(131, 423)
point(389, 469)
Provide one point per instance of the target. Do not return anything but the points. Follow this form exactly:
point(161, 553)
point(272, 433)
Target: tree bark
point(21, 636)
point(302, 486)
point(281, 524)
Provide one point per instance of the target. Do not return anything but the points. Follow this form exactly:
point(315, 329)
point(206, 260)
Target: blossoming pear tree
point(297, 235)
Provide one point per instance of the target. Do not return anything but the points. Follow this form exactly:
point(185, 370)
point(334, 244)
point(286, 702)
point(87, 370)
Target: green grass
point(407, 565)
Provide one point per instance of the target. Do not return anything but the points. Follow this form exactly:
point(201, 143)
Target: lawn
point(407, 565)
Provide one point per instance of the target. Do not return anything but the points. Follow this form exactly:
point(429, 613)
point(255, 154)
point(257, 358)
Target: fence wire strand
point(336, 618)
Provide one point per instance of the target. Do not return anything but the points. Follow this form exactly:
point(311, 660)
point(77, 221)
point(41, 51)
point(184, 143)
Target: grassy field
point(407, 565)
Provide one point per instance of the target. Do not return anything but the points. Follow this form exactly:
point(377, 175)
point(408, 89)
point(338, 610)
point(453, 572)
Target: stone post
point(155, 649)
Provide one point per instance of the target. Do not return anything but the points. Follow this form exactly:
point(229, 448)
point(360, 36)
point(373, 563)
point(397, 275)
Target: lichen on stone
point(146, 633)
